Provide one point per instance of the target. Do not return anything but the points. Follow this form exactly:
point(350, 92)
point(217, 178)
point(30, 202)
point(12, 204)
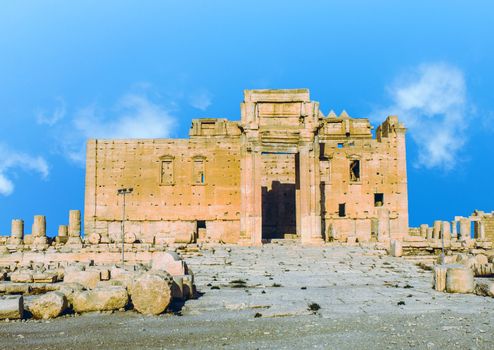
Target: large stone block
point(396, 248)
point(89, 279)
point(11, 307)
point(459, 279)
point(100, 299)
point(151, 293)
point(169, 262)
point(22, 276)
point(69, 289)
point(440, 278)
point(17, 288)
point(49, 305)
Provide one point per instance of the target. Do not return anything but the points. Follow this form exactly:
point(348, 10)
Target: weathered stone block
point(69, 289)
point(169, 262)
point(17, 288)
point(396, 248)
point(440, 278)
point(22, 276)
point(94, 238)
point(459, 279)
point(100, 299)
point(45, 277)
point(151, 293)
point(11, 307)
point(88, 279)
point(49, 305)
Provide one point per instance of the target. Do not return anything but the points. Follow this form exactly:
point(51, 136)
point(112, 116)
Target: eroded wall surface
point(176, 183)
point(285, 169)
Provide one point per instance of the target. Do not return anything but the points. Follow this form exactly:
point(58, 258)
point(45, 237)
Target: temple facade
point(285, 170)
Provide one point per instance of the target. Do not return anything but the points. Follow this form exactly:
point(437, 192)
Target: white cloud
point(201, 100)
point(42, 117)
point(11, 160)
point(134, 116)
point(432, 102)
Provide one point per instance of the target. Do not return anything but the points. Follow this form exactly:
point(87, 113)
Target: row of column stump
point(67, 234)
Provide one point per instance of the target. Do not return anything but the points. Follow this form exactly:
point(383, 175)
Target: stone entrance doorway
point(278, 191)
point(280, 177)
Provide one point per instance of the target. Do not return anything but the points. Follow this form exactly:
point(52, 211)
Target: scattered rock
point(151, 293)
point(49, 305)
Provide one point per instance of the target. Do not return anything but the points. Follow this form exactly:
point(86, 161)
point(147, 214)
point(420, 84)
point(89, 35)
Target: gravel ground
point(284, 296)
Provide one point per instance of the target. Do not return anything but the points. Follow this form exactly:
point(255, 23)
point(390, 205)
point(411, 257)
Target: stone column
point(465, 229)
point(423, 230)
point(430, 232)
point(481, 231)
point(454, 231)
point(446, 230)
point(436, 234)
point(62, 234)
point(440, 278)
point(39, 231)
point(74, 228)
point(39, 226)
point(17, 232)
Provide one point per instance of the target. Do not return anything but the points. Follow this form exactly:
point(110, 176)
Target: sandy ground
point(260, 298)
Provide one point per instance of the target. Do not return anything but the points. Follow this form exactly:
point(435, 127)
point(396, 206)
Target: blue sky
point(79, 69)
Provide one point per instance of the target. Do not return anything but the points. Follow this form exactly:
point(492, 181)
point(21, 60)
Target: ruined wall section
point(176, 183)
point(368, 201)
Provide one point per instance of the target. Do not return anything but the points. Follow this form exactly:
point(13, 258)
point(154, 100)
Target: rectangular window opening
point(201, 224)
point(199, 173)
point(355, 170)
point(166, 172)
point(341, 210)
point(378, 199)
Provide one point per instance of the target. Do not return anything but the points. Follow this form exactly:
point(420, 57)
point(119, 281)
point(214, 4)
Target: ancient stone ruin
point(459, 252)
point(285, 170)
point(45, 277)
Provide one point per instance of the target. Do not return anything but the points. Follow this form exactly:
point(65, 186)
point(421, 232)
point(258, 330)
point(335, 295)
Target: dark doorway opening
point(201, 230)
point(278, 211)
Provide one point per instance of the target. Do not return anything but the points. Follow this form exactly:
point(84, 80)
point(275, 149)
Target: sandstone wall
point(382, 171)
point(299, 172)
point(160, 205)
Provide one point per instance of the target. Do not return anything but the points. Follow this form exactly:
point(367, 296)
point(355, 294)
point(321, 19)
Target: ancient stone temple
point(285, 170)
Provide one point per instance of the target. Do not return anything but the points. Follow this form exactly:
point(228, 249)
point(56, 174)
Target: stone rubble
point(42, 277)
